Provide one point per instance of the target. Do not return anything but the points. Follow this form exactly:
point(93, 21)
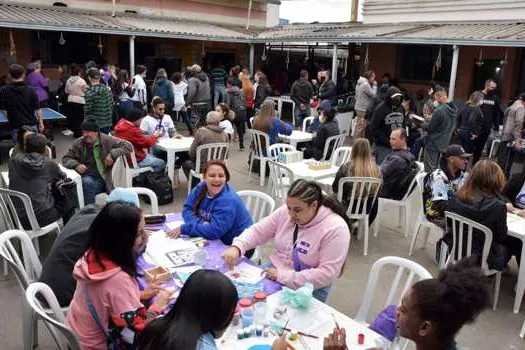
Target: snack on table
point(290, 157)
point(157, 274)
point(319, 165)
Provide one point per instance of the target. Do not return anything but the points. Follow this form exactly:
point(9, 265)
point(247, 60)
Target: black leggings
point(75, 117)
point(240, 126)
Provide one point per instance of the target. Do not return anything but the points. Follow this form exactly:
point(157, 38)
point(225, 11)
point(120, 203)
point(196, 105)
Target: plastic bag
point(300, 298)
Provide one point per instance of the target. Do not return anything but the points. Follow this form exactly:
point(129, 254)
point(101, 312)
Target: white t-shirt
point(227, 126)
point(139, 85)
point(151, 124)
point(179, 90)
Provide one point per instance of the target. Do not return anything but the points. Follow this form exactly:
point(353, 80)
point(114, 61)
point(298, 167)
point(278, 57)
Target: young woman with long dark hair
point(106, 308)
point(311, 233)
point(202, 313)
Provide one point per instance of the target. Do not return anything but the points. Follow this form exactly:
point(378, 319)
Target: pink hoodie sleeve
point(261, 232)
point(332, 256)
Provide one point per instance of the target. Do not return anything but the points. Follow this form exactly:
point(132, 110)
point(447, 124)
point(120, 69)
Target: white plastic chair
point(54, 317)
point(522, 332)
point(259, 204)
point(276, 148)
point(12, 220)
point(306, 122)
point(344, 120)
point(133, 169)
point(48, 150)
point(415, 271)
point(462, 230)
point(205, 153)
point(154, 202)
point(363, 190)
point(421, 219)
point(281, 178)
point(494, 147)
point(332, 143)
point(403, 204)
point(27, 269)
point(339, 157)
point(282, 100)
point(261, 142)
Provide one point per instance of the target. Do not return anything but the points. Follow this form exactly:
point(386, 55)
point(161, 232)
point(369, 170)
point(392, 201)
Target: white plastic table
point(516, 228)
point(71, 173)
point(317, 320)
point(172, 146)
point(297, 136)
point(301, 171)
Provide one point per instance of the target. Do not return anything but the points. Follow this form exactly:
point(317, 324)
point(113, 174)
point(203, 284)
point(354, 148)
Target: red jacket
point(127, 131)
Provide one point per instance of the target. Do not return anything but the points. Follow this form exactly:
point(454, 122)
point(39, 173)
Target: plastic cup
point(247, 316)
point(260, 312)
point(199, 258)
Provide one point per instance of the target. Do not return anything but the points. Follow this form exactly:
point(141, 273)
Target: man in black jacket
point(20, 102)
point(387, 116)
point(327, 90)
point(492, 116)
point(301, 93)
point(398, 168)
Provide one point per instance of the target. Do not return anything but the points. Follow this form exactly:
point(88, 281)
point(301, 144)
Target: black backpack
point(160, 183)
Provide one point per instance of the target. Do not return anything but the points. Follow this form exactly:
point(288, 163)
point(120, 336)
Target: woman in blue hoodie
point(213, 210)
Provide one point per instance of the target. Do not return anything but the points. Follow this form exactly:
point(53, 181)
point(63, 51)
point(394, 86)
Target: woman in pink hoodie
point(311, 235)
point(106, 309)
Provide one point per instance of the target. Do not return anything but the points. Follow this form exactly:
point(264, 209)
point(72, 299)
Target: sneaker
point(67, 132)
point(241, 148)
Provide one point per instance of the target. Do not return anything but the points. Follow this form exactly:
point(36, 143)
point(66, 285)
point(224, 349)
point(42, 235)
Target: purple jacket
point(39, 83)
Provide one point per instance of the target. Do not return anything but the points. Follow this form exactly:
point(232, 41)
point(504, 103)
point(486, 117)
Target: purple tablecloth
point(213, 261)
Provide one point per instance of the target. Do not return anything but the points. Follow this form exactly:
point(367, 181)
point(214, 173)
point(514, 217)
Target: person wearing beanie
point(99, 101)
point(128, 128)
point(316, 123)
point(92, 155)
point(70, 245)
point(211, 133)
point(511, 138)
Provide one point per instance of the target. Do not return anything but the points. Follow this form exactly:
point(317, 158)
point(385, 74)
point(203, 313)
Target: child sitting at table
point(106, 309)
point(227, 116)
point(202, 313)
point(311, 235)
point(213, 210)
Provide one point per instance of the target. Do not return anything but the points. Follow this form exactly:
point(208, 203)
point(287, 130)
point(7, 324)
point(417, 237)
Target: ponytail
point(310, 191)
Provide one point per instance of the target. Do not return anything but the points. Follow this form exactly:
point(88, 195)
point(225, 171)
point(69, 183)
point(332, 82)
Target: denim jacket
point(206, 342)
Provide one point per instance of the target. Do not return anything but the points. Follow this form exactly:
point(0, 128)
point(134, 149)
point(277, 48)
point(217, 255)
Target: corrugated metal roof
point(66, 19)
point(482, 34)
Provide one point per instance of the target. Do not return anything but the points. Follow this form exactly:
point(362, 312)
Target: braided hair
point(310, 191)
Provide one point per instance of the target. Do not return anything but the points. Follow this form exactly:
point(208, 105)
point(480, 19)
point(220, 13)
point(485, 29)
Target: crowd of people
point(92, 265)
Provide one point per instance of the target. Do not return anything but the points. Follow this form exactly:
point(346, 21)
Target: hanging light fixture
point(505, 61)
point(438, 63)
point(366, 62)
point(263, 56)
point(12, 46)
point(62, 41)
point(100, 46)
point(287, 61)
point(479, 61)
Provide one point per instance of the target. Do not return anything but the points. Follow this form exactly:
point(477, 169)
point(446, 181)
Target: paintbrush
point(284, 328)
point(335, 321)
point(302, 333)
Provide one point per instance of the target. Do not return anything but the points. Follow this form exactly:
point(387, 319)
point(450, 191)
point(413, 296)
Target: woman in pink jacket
point(311, 234)
point(106, 309)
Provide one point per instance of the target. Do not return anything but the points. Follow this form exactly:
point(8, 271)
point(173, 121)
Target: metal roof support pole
point(334, 64)
point(132, 55)
point(252, 54)
point(453, 73)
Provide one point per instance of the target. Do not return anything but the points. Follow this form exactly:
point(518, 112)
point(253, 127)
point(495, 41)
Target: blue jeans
point(92, 185)
point(300, 115)
point(321, 294)
point(219, 94)
point(155, 163)
point(381, 153)
point(14, 133)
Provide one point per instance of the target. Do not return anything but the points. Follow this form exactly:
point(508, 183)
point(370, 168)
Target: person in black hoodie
point(20, 102)
point(471, 119)
point(514, 194)
point(329, 127)
point(492, 116)
point(34, 174)
point(387, 116)
point(263, 91)
point(479, 200)
point(301, 93)
point(398, 168)
point(328, 89)
point(235, 101)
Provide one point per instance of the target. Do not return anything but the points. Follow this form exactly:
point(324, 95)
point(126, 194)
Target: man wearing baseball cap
point(442, 182)
point(511, 138)
point(92, 155)
point(199, 96)
point(99, 102)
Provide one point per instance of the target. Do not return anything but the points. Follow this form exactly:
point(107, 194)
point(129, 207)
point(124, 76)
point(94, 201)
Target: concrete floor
point(493, 330)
